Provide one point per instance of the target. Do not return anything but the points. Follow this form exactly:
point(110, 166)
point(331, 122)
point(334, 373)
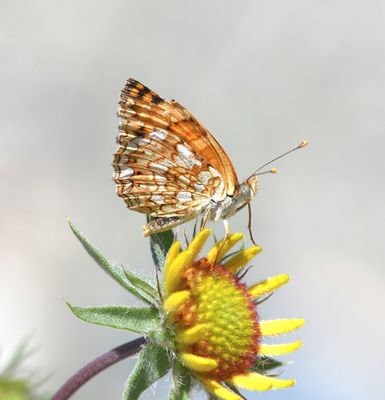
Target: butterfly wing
point(167, 164)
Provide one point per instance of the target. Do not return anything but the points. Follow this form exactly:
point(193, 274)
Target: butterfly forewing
point(167, 164)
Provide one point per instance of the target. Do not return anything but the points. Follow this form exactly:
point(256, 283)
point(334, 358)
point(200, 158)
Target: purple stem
point(98, 365)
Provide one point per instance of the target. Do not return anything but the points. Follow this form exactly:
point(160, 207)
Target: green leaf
point(15, 382)
point(153, 363)
point(18, 357)
point(160, 244)
point(182, 383)
point(265, 363)
point(14, 389)
point(116, 271)
point(139, 320)
point(144, 284)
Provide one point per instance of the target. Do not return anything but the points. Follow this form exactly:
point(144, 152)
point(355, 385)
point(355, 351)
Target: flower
point(200, 322)
point(217, 333)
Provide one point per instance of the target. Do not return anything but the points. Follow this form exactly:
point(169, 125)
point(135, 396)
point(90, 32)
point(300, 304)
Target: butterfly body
point(170, 167)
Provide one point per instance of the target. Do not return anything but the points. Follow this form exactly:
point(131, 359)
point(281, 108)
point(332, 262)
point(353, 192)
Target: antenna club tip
point(303, 144)
point(274, 170)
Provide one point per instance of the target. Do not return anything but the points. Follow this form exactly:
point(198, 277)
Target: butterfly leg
point(205, 219)
point(195, 228)
point(225, 239)
point(249, 225)
point(227, 227)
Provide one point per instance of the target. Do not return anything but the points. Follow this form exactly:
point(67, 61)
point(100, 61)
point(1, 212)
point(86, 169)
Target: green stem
point(98, 365)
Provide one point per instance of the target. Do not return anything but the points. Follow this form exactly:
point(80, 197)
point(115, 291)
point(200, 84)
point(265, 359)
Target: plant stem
point(98, 365)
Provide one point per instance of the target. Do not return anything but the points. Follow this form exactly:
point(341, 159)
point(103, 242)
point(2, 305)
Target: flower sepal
point(143, 320)
point(264, 364)
point(153, 363)
point(181, 382)
point(142, 288)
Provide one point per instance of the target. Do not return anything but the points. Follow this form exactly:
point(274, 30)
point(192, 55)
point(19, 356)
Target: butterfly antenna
point(270, 171)
point(274, 170)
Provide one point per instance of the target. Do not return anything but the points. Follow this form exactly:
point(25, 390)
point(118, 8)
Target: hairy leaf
point(153, 363)
point(139, 320)
point(116, 271)
point(144, 284)
point(182, 383)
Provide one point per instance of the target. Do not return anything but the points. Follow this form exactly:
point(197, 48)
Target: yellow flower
point(218, 334)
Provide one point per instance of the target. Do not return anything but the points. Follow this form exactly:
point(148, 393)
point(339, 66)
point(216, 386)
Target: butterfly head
point(250, 187)
point(243, 194)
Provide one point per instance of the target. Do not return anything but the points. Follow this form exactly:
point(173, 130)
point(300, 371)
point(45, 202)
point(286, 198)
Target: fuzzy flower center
point(220, 303)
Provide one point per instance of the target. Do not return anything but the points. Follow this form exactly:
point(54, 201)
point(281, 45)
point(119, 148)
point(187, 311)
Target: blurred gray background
point(262, 76)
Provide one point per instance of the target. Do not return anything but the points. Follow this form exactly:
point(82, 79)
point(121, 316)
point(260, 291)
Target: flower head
point(201, 322)
point(217, 331)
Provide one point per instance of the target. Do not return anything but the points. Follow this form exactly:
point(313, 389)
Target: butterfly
point(169, 166)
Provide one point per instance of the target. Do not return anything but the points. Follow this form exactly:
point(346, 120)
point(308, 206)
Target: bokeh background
point(262, 76)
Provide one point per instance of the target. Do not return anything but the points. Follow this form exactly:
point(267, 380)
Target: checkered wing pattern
point(167, 164)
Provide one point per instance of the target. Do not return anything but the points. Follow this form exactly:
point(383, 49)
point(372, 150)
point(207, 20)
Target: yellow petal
point(280, 383)
point(254, 381)
point(268, 285)
point(219, 391)
point(198, 242)
point(174, 301)
point(279, 326)
point(222, 247)
point(197, 363)
point(279, 349)
point(242, 258)
point(173, 275)
point(251, 381)
point(172, 253)
point(192, 335)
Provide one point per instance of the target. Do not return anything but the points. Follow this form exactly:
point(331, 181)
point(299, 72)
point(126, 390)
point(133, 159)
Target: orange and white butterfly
point(169, 166)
